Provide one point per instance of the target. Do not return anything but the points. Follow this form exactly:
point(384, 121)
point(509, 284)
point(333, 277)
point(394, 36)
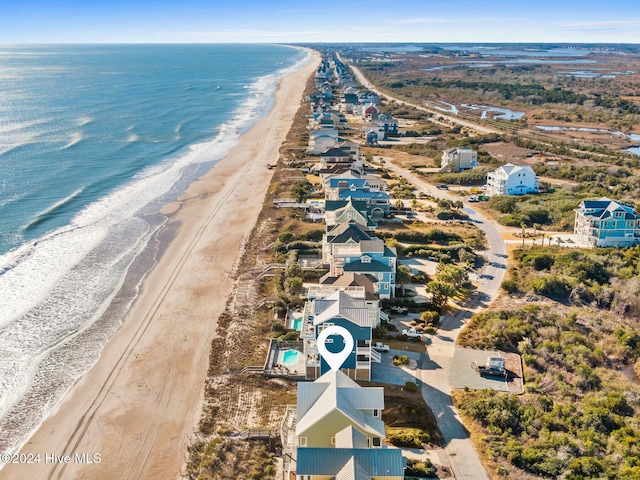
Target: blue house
point(379, 202)
point(606, 223)
point(351, 247)
point(343, 310)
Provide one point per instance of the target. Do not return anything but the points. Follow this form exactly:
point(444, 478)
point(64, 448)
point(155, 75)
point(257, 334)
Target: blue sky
point(290, 21)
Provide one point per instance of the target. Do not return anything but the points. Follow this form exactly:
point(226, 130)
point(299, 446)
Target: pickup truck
point(411, 333)
point(380, 347)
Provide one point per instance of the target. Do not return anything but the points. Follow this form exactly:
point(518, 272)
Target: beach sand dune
point(134, 413)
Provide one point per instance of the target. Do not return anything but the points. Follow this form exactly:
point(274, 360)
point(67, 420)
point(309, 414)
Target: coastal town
point(393, 261)
point(407, 257)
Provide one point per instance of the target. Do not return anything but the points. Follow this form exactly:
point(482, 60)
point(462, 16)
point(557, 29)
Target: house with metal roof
point(333, 403)
point(606, 223)
point(350, 464)
point(335, 186)
point(341, 308)
point(322, 140)
point(336, 432)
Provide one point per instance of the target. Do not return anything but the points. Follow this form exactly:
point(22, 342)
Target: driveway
point(387, 372)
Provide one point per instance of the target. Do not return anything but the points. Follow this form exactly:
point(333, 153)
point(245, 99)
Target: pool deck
point(297, 368)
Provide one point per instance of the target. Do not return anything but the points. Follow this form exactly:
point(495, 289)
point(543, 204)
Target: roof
point(335, 205)
point(510, 169)
point(373, 266)
point(335, 152)
point(344, 232)
point(339, 394)
point(605, 208)
point(347, 182)
point(374, 462)
point(457, 150)
point(352, 279)
point(340, 304)
point(375, 195)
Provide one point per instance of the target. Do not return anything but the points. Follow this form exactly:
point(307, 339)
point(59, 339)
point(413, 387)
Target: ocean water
point(94, 140)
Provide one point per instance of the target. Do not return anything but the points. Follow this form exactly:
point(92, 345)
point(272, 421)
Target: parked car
point(398, 309)
point(442, 186)
point(380, 347)
point(411, 333)
point(473, 198)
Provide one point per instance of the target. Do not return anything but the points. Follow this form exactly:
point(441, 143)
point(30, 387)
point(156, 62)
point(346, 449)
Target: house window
point(376, 412)
point(303, 441)
point(376, 442)
point(333, 440)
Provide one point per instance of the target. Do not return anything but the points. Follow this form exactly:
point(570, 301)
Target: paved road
point(361, 78)
point(436, 372)
point(437, 368)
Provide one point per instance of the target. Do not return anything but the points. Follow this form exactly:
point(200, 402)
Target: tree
point(294, 285)
point(399, 205)
point(403, 276)
point(440, 293)
point(452, 274)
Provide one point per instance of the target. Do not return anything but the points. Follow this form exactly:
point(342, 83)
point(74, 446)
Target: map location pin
point(335, 360)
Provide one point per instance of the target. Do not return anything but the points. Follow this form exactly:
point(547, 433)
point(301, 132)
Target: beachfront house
point(322, 140)
point(349, 463)
point(375, 182)
point(512, 179)
point(345, 211)
point(335, 408)
point(379, 202)
point(346, 307)
point(341, 157)
point(358, 286)
point(606, 223)
point(335, 186)
point(348, 234)
point(456, 160)
point(336, 431)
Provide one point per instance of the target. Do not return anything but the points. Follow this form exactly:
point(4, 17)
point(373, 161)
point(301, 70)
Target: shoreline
point(139, 405)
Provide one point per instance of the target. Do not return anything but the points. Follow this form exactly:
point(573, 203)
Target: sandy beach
point(134, 413)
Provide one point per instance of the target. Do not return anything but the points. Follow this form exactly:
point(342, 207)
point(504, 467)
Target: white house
point(512, 179)
point(606, 223)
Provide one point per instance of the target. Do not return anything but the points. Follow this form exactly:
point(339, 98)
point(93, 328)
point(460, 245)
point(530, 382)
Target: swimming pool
point(290, 357)
point(297, 324)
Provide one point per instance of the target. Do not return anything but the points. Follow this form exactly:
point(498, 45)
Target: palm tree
point(403, 276)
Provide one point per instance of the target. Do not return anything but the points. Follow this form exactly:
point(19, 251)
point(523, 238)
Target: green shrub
point(408, 438)
point(400, 360)
point(509, 286)
point(430, 317)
